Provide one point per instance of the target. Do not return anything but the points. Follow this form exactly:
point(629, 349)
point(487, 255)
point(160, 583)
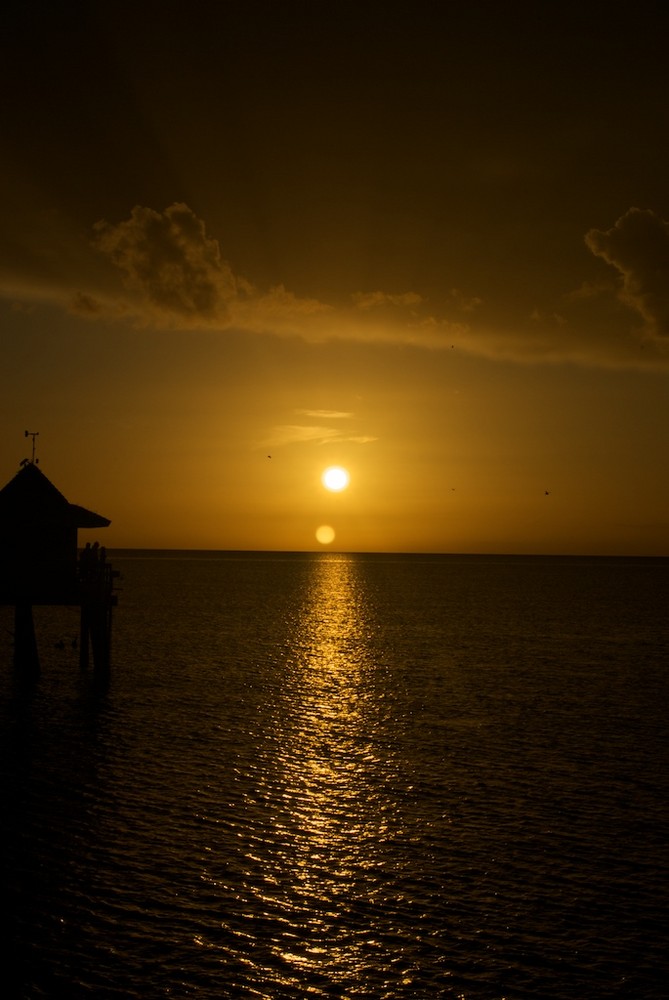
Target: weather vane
point(33, 435)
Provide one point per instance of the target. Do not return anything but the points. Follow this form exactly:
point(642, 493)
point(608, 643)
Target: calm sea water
point(345, 776)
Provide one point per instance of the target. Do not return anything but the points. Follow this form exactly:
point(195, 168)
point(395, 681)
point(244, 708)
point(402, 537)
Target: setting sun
point(335, 479)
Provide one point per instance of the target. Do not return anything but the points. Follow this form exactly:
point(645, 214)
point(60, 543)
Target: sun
point(335, 479)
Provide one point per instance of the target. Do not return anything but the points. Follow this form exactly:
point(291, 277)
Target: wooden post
point(26, 656)
point(84, 637)
point(100, 642)
point(97, 601)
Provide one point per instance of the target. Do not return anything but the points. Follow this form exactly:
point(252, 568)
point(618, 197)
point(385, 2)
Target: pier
point(40, 564)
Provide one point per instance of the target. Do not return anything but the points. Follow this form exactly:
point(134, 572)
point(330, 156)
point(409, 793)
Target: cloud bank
point(638, 247)
point(175, 275)
point(169, 259)
point(163, 270)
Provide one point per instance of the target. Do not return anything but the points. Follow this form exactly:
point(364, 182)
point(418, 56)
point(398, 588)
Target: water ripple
point(347, 777)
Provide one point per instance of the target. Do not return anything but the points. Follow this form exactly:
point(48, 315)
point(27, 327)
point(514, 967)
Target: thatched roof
point(29, 499)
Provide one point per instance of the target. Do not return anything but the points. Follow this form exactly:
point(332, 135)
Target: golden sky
point(425, 242)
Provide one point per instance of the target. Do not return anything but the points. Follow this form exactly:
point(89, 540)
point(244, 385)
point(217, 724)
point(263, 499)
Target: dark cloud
point(171, 261)
point(374, 300)
point(176, 277)
point(85, 305)
point(638, 247)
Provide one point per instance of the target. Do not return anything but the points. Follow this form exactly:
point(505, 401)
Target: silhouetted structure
point(39, 565)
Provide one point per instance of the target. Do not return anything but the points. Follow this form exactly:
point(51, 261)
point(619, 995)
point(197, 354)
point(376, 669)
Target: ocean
point(325, 775)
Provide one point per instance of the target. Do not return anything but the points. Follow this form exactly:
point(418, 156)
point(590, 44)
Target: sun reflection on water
point(319, 826)
point(323, 731)
point(326, 768)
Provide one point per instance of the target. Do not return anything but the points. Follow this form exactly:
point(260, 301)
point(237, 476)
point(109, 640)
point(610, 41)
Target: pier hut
point(40, 564)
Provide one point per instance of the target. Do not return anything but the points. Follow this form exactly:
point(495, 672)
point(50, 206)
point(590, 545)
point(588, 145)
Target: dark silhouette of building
point(39, 564)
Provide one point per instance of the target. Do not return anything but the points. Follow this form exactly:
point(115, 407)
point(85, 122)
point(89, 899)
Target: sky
point(425, 242)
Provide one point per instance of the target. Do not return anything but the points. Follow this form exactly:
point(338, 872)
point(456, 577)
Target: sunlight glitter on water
point(322, 745)
point(354, 777)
